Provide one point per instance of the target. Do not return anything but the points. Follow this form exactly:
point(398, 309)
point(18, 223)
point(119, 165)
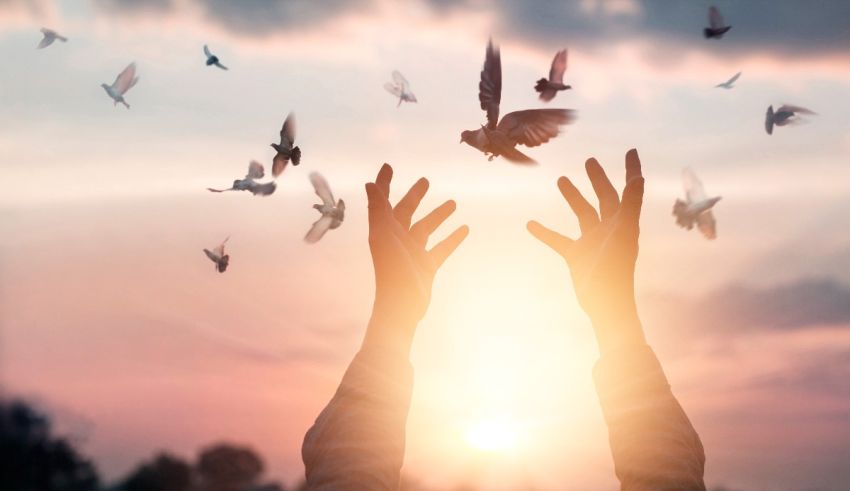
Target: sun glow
point(493, 435)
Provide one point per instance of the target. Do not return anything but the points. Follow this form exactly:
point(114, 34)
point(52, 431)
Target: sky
point(115, 322)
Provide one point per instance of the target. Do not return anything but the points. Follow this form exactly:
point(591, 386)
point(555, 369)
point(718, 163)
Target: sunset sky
point(115, 323)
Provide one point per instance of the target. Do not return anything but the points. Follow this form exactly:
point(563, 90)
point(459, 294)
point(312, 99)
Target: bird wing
point(768, 120)
point(559, 66)
point(317, 231)
point(263, 189)
point(207, 51)
point(255, 170)
point(693, 186)
point(320, 185)
point(220, 190)
point(287, 132)
point(733, 79)
point(393, 89)
point(125, 79)
point(279, 164)
point(490, 86)
point(707, 225)
point(715, 18)
point(400, 80)
point(45, 42)
point(212, 255)
point(219, 251)
point(795, 109)
point(218, 64)
point(534, 127)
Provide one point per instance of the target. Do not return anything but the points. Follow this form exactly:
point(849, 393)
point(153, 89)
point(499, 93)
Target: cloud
point(26, 12)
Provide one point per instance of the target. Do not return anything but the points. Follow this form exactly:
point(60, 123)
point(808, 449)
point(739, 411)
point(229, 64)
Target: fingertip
point(591, 163)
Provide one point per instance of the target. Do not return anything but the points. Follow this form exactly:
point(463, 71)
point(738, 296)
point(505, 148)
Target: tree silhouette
point(225, 467)
point(163, 473)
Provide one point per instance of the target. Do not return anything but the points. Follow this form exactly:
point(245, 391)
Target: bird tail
point(295, 156)
point(540, 86)
point(682, 218)
point(516, 157)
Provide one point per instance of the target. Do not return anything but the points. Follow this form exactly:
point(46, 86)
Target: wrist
point(617, 328)
point(389, 331)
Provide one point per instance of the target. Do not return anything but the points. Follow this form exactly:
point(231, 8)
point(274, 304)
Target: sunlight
point(493, 435)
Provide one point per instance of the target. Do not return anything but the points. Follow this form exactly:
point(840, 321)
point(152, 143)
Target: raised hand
point(602, 260)
point(404, 268)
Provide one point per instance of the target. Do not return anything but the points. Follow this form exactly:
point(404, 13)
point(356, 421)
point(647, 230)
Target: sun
point(493, 435)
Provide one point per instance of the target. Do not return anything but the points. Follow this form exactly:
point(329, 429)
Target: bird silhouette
point(333, 212)
point(249, 183)
point(218, 256)
point(716, 26)
point(729, 83)
point(696, 207)
point(400, 88)
point(549, 88)
point(285, 149)
point(49, 37)
point(125, 81)
point(785, 115)
point(213, 59)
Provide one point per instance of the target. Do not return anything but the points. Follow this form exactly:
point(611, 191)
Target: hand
point(602, 260)
point(404, 269)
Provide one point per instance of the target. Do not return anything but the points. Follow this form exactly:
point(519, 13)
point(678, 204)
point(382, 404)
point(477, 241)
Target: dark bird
point(49, 37)
point(333, 212)
point(249, 183)
point(531, 127)
point(213, 59)
point(696, 208)
point(785, 115)
point(218, 256)
point(285, 150)
point(549, 88)
point(716, 26)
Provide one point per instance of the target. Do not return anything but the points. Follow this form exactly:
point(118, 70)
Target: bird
point(249, 183)
point(333, 212)
point(400, 88)
point(786, 114)
point(531, 127)
point(729, 83)
point(716, 26)
point(125, 81)
point(218, 256)
point(549, 88)
point(49, 37)
point(213, 59)
point(696, 208)
point(285, 150)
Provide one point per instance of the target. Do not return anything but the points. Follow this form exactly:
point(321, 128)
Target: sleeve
point(357, 442)
point(653, 443)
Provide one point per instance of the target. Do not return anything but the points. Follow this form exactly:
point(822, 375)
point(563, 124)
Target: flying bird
point(786, 114)
point(218, 256)
point(125, 81)
point(333, 212)
point(531, 127)
point(285, 150)
point(729, 83)
point(716, 26)
point(696, 208)
point(549, 88)
point(249, 183)
point(49, 37)
point(400, 88)
point(213, 59)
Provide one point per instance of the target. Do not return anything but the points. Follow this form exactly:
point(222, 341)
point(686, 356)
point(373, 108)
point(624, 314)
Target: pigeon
point(549, 88)
point(249, 183)
point(213, 59)
point(786, 114)
point(285, 150)
point(333, 212)
point(696, 208)
point(218, 256)
point(729, 83)
point(125, 81)
point(49, 37)
point(400, 88)
point(531, 127)
point(717, 28)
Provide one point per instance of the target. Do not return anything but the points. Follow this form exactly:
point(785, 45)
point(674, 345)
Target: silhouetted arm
point(652, 441)
point(357, 442)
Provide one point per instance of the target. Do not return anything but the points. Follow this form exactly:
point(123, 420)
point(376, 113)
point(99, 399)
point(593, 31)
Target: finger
point(609, 201)
point(556, 241)
point(385, 175)
point(406, 207)
point(587, 217)
point(425, 227)
point(632, 165)
point(378, 205)
point(633, 193)
point(440, 252)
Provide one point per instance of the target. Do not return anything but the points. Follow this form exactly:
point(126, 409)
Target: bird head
point(466, 136)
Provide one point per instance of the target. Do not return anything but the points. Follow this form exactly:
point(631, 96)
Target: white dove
point(333, 212)
point(729, 83)
point(49, 37)
point(213, 59)
point(785, 115)
point(218, 256)
point(125, 81)
point(400, 88)
point(249, 183)
point(696, 207)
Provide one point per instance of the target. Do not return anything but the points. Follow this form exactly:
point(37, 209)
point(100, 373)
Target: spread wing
point(210, 254)
point(768, 120)
point(207, 51)
point(263, 189)
point(255, 170)
point(317, 231)
point(393, 89)
point(126, 79)
point(219, 251)
point(715, 19)
point(47, 40)
point(534, 127)
point(795, 109)
point(279, 164)
point(490, 86)
point(733, 79)
point(559, 66)
point(707, 225)
point(693, 186)
point(320, 185)
point(287, 132)
point(399, 79)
